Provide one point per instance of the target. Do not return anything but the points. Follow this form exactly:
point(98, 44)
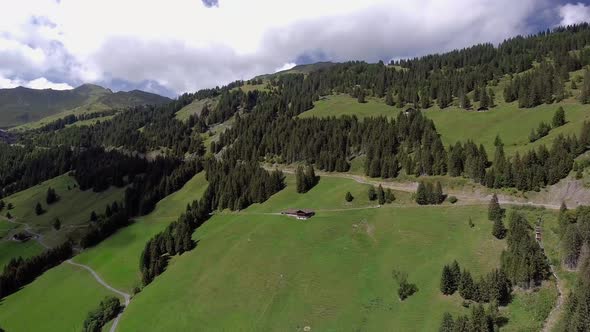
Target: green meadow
point(343, 104)
point(73, 207)
point(513, 124)
point(116, 259)
point(195, 108)
point(256, 270)
point(11, 249)
point(58, 300)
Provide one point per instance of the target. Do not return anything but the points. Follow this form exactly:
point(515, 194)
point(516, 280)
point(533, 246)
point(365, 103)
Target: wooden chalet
point(300, 214)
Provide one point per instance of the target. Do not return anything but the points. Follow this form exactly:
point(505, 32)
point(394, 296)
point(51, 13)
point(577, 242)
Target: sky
point(176, 46)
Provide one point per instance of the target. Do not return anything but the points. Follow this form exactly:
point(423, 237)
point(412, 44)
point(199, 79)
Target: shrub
point(453, 199)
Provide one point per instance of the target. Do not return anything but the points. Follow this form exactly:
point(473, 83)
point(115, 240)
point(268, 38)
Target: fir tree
point(585, 93)
point(558, 118)
point(51, 196)
point(56, 224)
point(93, 216)
point(499, 231)
point(372, 194)
point(438, 196)
point(421, 194)
point(495, 212)
point(349, 197)
point(447, 324)
point(380, 195)
point(447, 285)
point(39, 209)
point(466, 286)
point(389, 99)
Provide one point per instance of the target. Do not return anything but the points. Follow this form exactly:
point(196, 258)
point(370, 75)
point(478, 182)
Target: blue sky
point(175, 46)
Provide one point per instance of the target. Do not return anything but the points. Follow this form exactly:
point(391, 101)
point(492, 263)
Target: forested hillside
point(22, 105)
point(150, 153)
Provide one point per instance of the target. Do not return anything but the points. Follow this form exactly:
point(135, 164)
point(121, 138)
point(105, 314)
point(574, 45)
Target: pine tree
point(558, 118)
point(349, 197)
point(499, 231)
point(389, 99)
point(300, 177)
point(51, 196)
point(495, 212)
point(585, 93)
point(93, 216)
point(466, 286)
point(447, 324)
point(8, 215)
point(108, 212)
point(389, 196)
point(421, 194)
point(372, 194)
point(484, 99)
point(492, 98)
point(2, 205)
point(464, 101)
point(56, 224)
point(456, 272)
point(446, 281)
point(361, 96)
point(438, 196)
point(39, 209)
point(380, 195)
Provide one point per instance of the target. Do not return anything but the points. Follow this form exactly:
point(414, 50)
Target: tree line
point(19, 272)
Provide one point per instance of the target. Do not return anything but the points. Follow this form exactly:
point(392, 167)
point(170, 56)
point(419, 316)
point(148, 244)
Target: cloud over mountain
point(183, 45)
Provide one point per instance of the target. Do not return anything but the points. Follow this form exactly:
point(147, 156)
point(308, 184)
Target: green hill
point(23, 105)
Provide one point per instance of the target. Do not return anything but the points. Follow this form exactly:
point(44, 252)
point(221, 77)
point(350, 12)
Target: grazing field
point(73, 207)
point(513, 124)
point(342, 104)
point(195, 108)
point(11, 249)
point(56, 301)
point(116, 259)
point(86, 109)
point(256, 270)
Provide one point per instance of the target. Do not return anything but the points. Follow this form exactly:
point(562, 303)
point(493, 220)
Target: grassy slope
point(86, 109)
point(73, 208)
point(510, 122)
point(10, 249)
point(267, 272)
point(343, 104)
point(195, 108)
point(117, 258)
point(57, 301)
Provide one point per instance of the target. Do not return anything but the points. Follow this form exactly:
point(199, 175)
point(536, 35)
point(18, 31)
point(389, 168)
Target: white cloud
point(286, 66)
point(571, 14)
point(38, 83)
point(43, 83)
point(183, 45)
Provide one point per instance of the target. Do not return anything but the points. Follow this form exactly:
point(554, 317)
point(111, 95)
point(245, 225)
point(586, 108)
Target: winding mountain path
point(125, 296)
point(39, 238)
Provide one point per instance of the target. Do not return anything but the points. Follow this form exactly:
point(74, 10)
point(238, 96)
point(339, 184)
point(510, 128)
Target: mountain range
point(22, 105)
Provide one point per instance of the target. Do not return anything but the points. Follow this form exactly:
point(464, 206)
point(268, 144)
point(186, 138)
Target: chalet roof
point(295, 211)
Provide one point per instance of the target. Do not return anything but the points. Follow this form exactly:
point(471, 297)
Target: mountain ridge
point(22, 105)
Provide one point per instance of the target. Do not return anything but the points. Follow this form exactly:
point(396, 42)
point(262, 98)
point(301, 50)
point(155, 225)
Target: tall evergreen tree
point(421, 194)
point(495, 212)
point(39, 209)
point(558, 118)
